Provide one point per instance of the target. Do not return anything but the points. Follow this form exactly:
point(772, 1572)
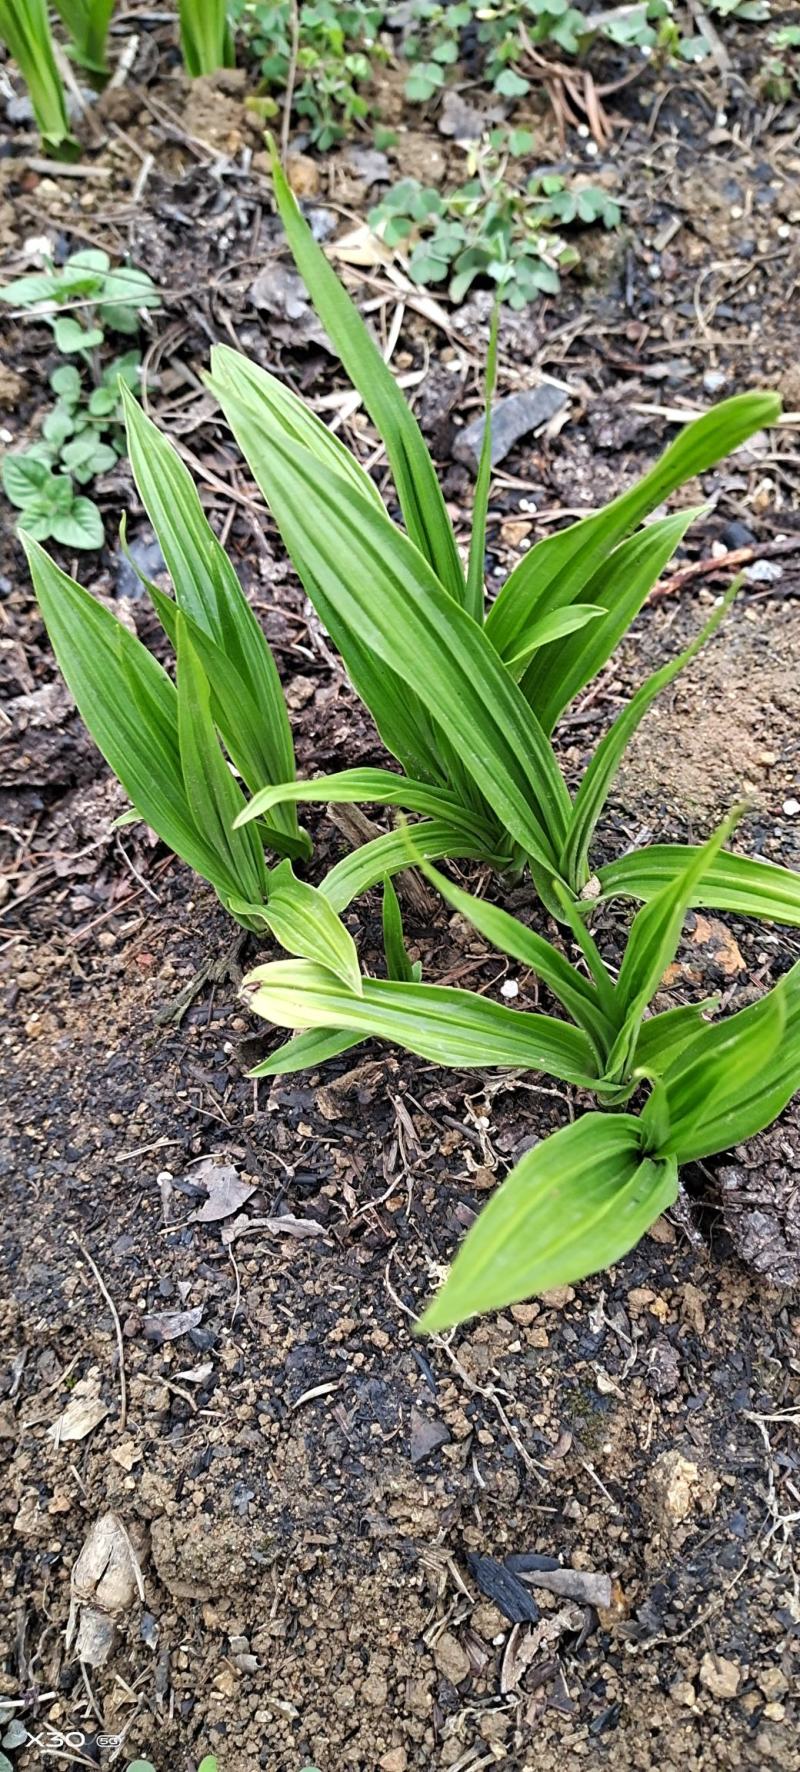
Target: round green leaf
point(66, 382)
point(71, 336)
point(79, 527)
point(22, 477)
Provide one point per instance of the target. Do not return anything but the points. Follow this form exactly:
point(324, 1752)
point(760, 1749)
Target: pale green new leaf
point(443, 1025)
point(737, 883)
point(214, 798)
point(418, 490)
point(355, 563)
point(208, 590)
point(558, 673)
point(558, 569)
point(596, 785)
point(552, 627)
point(574, 1204)
point(304, 923)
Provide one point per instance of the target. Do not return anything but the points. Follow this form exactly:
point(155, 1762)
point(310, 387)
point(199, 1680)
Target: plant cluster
point(779, 75)
point(333, 59)
point(498, 225)
point(506, 31)
point(466, 700)
point(82, 435)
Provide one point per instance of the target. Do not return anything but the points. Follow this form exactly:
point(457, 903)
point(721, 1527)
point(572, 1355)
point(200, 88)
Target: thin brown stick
point(736, 557)
point(123, 1388)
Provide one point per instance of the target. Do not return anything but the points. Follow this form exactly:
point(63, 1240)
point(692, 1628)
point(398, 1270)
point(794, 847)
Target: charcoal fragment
point(501, 1586)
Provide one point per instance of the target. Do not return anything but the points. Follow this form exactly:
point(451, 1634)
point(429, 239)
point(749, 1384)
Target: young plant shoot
point(25, 30)
point(466, 699)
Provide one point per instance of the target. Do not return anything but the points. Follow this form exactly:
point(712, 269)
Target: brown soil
point(302, 1482)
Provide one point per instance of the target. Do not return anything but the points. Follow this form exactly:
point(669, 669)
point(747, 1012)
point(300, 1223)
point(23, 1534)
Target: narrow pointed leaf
point(480, 504)
point(368, 866)
point(596, 785)
point(655, 932)
point(738, 883)
point(213, 796)
point(418, 489)
point(208, 590)
point(128, 703)
point(555, 626)
point(446, 1026)
point(558, 569)
point(574, 1204)
point(306, 1052)
point(576, 993)
point(558, 673)
point(398, 964)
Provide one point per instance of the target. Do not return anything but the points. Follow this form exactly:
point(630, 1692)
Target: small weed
point(506, 30)
point(497, 225)
point(779, 75)
point(336, 48)
point(82, 435)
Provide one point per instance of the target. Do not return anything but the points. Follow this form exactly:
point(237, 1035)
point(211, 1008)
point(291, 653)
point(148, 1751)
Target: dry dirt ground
point(301, 1491)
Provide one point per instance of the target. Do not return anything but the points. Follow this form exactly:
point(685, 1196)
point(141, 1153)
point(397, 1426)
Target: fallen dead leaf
point(84, 1411)
point(226, 1191)
point(171, 1325)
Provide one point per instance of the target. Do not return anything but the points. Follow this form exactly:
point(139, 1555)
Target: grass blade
point(574, 1204)
point(25, 29)
point(398, 964)
point(418, 490)
point(206, 41)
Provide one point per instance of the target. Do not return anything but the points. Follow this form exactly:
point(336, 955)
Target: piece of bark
point(512, 418)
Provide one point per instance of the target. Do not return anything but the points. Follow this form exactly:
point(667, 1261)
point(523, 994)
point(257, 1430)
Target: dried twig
point(123, 1388)
point(730, 562)
point(291, 76)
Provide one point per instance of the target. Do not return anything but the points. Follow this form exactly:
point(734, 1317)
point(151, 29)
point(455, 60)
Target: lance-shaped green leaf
point(384, 595)
point(558, 672)
point(663, 1036)
point(351, 787)
point(87, 22)
point(256, 388)
point(559, 568)
point(444, 1025)
point(398, 964)
point(368, 866)
point(734, 1078)
point(578, 995)
point(128, 703)
point(596, 785)
point(737, 883)
point(247, 689)
point(418, 490)
point(574, 1204)
point(652, 944)
point(552, 627)
point(477, 547)
point(305, 924)
point(306, 1052)
point(213, 796)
